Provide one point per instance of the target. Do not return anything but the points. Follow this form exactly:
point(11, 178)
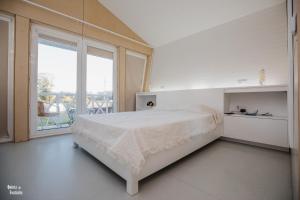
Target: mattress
point(132, 137)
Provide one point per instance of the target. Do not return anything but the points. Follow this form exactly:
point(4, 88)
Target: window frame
point(10, 75)
point(36, 31)
point(82, 44)
point(103, 46)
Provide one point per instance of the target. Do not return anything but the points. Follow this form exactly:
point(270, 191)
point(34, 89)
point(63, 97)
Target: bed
point(137, 144)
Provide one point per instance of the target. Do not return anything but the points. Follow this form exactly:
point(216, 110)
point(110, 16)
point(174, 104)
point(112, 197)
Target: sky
point(60, 65)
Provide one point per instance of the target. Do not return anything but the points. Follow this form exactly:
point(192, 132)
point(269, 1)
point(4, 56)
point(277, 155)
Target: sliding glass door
point(100, 69)
point(69, 76)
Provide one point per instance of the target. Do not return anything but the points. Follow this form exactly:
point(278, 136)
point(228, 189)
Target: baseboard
point(257, 144)
point(5, 139)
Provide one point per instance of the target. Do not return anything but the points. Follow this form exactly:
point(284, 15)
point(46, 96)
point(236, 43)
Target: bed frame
point(210, 97)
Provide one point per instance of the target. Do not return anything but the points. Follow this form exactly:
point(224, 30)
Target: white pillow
point(205, 109)
point(168, 108)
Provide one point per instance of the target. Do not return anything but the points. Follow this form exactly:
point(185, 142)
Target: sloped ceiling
point(160, 22)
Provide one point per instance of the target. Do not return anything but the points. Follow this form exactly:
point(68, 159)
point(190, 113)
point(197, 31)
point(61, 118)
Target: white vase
point(262, 77)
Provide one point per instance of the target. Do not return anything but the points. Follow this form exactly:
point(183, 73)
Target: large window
point(100, 81)
point(70, 76)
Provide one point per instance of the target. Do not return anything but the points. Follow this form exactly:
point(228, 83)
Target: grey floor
point(50, 168)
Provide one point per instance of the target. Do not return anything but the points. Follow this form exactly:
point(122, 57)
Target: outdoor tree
point(45, 86)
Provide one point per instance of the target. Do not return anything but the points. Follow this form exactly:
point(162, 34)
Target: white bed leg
point(132, 187)
point(75, 145)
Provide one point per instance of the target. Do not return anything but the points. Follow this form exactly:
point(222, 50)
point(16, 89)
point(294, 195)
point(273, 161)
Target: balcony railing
point(60, 108)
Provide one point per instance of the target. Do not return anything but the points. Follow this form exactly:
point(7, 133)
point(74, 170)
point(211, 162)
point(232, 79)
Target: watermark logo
point(15, 190)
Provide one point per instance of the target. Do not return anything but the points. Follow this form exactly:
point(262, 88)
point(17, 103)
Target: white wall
point(218, 57)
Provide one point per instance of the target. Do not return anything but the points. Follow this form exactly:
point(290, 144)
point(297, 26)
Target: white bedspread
point(130, 137)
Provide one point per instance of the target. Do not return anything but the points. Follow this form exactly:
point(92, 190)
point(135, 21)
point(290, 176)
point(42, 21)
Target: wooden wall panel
point(3, 76)
point(94, 13)
point(121, 78)
point(21, 79)
point(97, 34)
point(148, 74)
point(73, 8)
point(36, 14)
point(297, 13)
point(89, 10)
point(106, 19)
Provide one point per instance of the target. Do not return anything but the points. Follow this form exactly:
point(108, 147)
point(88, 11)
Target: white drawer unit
point(271, 131)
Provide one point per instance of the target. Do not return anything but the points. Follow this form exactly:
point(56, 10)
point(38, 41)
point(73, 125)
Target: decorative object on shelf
point(145, 100)
point(252, 114)
point(150, 103)
point(240, 113)
point(267, 114)
point(229, 113)
point(262, 77)
point(243, 110)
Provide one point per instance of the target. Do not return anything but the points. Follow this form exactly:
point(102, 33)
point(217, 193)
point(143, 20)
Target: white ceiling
point(160, 22)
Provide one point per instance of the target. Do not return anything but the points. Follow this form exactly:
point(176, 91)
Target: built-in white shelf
point(259, 129)
point(258, 116)
point(271, 131)
point(142, 98)
point(145, 93)
point(273, 88)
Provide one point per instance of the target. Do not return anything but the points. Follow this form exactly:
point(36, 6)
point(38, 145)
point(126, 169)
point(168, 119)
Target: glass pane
point(99, 78)
point(56, 85)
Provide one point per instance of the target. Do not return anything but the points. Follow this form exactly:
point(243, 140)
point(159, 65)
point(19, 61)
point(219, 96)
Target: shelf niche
point(273, 102)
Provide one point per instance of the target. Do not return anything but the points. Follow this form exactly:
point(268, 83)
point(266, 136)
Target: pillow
point(166, 107)
point(205, 109)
